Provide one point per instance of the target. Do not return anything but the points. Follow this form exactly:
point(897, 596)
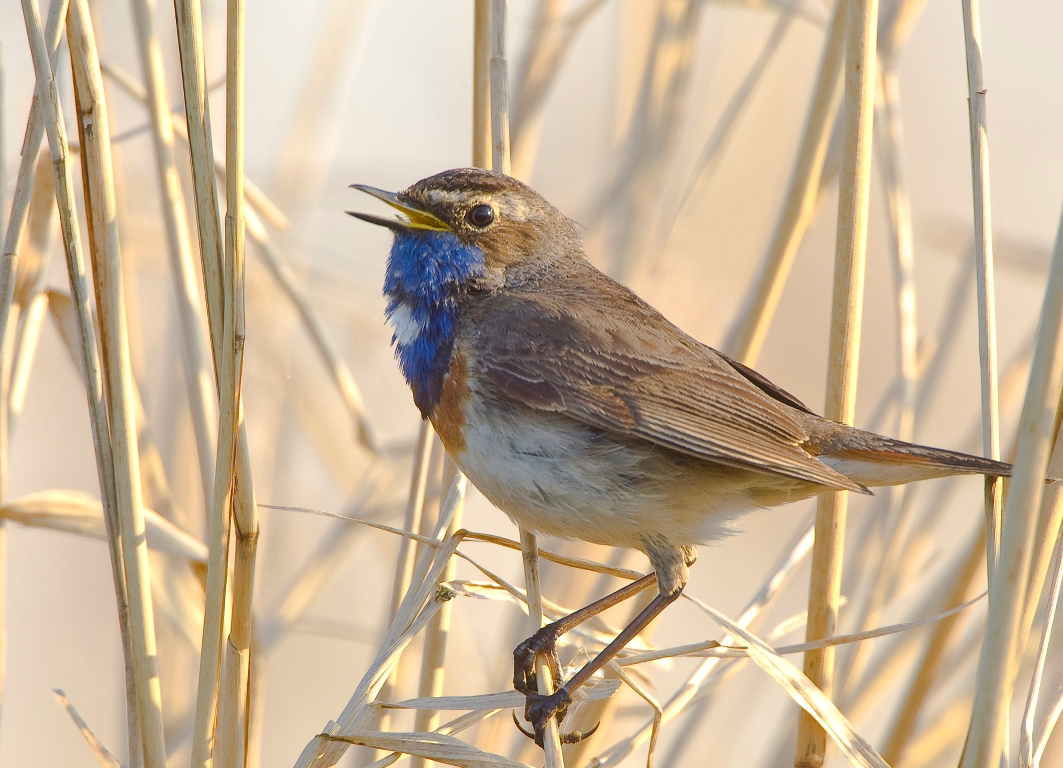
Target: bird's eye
point(480, 216)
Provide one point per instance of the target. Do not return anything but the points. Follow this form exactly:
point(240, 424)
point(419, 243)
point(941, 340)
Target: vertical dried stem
point(416, 610)
point(746, 337)
point(5, 410)
point(998, 662)
point(232, 699)
point(1027, 747)
point(107, 278)
point(844, 349)
point(405, 561)
point(983, 254)
point(3, 145)
point(223, 286)
point(499, 88)
point(433, 659)
point(500, 161)
point(7, 353)
point(1049, 523)
point(481, 84)
point(530, 553)
point(31, 143)
point(50, 120)
point(193, 82)
point(196, 359)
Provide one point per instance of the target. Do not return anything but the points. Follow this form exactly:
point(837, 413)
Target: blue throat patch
point(425, 274)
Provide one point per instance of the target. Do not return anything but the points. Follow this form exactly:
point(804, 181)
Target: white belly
point(556, 476)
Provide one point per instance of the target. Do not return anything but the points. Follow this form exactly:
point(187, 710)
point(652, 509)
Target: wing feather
point(594, 351)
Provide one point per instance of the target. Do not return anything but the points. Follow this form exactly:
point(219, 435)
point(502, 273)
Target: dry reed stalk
point(3, 143)
point(319, 566)
point(418, 606)
point(31, 143)
point(222, 287)
point(1029, 748)
point(404, 563)
point(107, 280)
point(196, 358)
point(278, 267)
point(7, 352)
point(746, 337)
point(500, 161)
point(499, 89)
point(51, 121)
point(232, 696)
point(433, 657)
point(882, 543)
point(201, 147)
point(99, 750)
point(530, 556)
point(843, 352)
point(256, 198)
point(1049, 523)
point(481, 84)
point(983, 248)
point(998, 664)
point(20, 341)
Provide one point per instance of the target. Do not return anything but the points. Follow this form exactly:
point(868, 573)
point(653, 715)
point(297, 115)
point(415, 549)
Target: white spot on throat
point(407, 328)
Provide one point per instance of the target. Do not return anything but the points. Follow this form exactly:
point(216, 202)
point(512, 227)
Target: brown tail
point(875, 460)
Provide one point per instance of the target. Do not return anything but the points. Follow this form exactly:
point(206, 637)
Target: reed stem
point(843, 352)
point(998, 662)
point(196, 358)
point(983, 253)
point(107, 278)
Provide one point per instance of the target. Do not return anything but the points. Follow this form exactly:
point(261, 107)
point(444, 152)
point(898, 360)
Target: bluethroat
point(577, 409)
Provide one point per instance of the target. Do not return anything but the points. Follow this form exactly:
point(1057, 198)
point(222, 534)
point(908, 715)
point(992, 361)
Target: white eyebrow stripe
point(447, 196)
point(510, 206)
point(407, 328)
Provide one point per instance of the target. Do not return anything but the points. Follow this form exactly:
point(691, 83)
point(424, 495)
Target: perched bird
point(580, 411)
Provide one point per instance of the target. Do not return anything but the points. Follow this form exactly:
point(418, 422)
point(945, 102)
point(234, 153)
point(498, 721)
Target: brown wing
point(593, 350)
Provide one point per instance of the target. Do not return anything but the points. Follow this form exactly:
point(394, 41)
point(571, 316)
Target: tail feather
point(874, 460)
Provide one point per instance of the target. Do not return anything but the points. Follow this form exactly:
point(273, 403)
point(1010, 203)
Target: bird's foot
point(542, 642)
point(538, 710)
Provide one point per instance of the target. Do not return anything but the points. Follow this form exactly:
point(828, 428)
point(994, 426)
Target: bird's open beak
point(414, 218)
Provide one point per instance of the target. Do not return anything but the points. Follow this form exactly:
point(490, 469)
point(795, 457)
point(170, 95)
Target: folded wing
point(594, 351)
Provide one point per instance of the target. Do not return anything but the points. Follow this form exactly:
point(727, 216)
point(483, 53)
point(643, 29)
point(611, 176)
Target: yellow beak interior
point(415, 218)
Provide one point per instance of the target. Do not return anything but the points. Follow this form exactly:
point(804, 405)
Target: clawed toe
point(542, 642)
point(538, 710)
point(572, 737)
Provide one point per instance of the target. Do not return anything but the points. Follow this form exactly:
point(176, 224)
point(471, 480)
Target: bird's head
point(457, 232)
point(482, 223)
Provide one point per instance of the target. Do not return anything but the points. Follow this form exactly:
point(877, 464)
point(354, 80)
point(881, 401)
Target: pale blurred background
point(393, 105)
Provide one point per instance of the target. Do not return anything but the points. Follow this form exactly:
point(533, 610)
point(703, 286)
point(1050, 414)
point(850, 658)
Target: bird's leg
point(539, 708)
point(545, 640)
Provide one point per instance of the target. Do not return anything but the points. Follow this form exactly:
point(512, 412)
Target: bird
point(577, 409)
